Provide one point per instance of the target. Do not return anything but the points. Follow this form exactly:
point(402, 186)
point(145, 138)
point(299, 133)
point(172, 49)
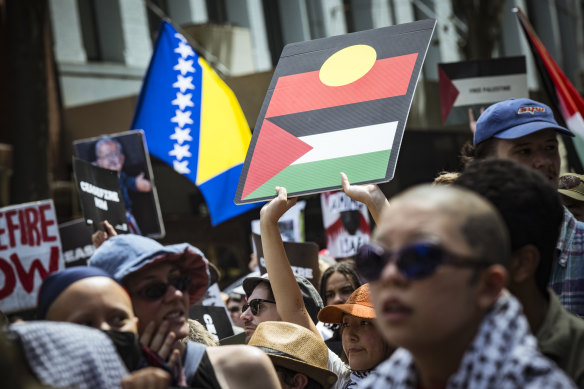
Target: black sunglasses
point(255, 305)
point(156, 290)
point(233, 309)
point(415, 262)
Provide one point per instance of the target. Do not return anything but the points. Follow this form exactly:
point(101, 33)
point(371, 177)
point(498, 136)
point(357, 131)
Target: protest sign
point(346, 224)
point(30, 249)
point(100, 195)
point(479, 83)
point(303, 258)
point(290, 224)
point(126, 154)
point(214, 319)
point(76, 242)
point(336, 104)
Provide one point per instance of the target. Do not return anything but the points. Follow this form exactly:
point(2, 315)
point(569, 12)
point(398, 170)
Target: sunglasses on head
point(156, 290)
point(255, 305)
point(415, 262)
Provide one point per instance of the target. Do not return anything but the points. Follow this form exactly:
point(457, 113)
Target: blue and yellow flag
point(193, 122)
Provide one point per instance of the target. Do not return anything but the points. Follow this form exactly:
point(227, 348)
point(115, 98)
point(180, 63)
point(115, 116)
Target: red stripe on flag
point(302, 92)
point(570, 101)
point(275, 149)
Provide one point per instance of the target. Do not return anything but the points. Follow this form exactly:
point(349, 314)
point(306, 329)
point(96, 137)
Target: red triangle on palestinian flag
point(337, 104)
point(448, 93)
point(275, 150)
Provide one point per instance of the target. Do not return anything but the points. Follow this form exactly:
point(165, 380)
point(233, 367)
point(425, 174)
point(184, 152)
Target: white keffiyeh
point(67, 355)
point(503, 355)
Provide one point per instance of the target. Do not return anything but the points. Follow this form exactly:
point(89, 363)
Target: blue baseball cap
point(515, 118)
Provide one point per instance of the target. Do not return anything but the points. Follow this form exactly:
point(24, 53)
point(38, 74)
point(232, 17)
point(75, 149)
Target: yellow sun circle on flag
point(347, 65)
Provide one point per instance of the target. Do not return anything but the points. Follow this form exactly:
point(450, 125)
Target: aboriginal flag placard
point(337, 104)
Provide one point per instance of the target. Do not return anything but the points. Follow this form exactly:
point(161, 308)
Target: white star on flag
point(184, 50)
point(179, 36)
point(181, 167)
point(183, 83)
point(183, 101)
point(180, 152)
point(181, 135)
point(182, 118)
point(184, 66)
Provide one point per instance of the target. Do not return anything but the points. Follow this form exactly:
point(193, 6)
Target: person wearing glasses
point(163, 282)
point(363, 345)
point(533, 213)
point(437, 269)
point(261, 303)
point(109, 155)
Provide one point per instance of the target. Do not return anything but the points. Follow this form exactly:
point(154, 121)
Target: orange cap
point(358, 305)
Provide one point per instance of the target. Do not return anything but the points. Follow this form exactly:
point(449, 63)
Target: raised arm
point(288, 297)
point(368, 194)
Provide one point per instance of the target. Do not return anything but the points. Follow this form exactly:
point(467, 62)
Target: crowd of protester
point(475, 281)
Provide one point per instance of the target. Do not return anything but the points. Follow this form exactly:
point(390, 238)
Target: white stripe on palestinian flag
point(352, 141)
point(575, 123)
point(483, 90)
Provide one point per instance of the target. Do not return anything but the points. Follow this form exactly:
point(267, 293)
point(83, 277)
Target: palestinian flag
point(479, 83)
point(334, 105)
point(564, 97)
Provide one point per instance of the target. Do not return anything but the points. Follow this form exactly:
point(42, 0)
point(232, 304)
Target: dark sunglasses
point(233, 309)
point(156, 290)
point(255, 305)
point(415, 262)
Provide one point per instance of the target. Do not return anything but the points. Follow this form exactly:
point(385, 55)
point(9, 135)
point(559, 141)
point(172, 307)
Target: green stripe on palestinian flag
point(361, 152)
point(326, 173)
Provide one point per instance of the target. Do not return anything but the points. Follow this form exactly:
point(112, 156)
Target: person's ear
point(524, 263)
point(492, 281)
point(300, 381)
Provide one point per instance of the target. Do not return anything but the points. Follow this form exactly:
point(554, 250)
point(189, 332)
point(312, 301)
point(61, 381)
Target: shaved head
point(478, 221)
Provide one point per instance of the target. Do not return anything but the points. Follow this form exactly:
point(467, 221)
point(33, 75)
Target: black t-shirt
point(205, 377)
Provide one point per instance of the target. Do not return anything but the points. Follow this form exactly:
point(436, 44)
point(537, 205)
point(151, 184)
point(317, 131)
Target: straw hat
point(572, 185)
point(358, 304)
point(296, 348)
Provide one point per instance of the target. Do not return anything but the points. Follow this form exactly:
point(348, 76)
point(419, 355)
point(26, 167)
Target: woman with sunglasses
point(163, 282)
point(365, 346)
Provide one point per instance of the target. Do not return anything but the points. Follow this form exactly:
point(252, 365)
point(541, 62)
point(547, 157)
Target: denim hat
point(126, 254)
point(312, 300)
point(514, 118)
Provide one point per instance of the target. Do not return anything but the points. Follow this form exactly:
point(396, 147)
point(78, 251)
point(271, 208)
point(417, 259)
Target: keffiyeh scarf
point(503, 355)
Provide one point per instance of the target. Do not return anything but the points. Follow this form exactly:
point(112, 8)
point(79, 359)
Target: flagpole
point(212, 60)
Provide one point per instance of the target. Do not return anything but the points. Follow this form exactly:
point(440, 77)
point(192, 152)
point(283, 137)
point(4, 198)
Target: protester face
point(362, 343)
point(266, 311)
point(439, 312)
point(538, 151)
point(574, 206)
point(97, 302)
point(172, 307)
point(338, 289)
point(234, 308)
point(109, 156)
